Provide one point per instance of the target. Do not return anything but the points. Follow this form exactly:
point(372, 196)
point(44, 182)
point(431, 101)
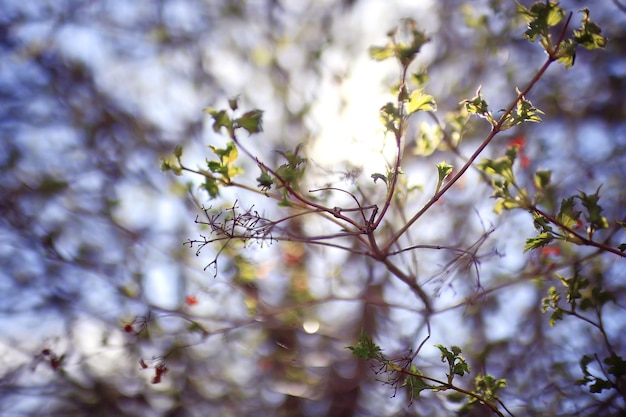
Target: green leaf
point(407, 51)
point(165, 166)
point(377, 176)
point(210, 185)
point(390, 117)
point(536, 242)
point(617, 365)
point(429, 139)
point(178, 151)
point(215, 166)
point(225, 166)
point(589, 35)
point(541, 223)
point(265, 180)
point(381, 53)
point(414, 384)
point(290, 172)
point(566, 53)
point(524, 112)
point(233, 103)
point(540, 17)
point(594, 210)
point(419, 78)
point(251, 121)
point(567, 215)
point(542, 179)
point(420, 101)
point(552, 302)
point(487, 386)
point(365, 347)
point(168, 166)
point(456, 363)
point(600, 385)
point(502, 166)
point(220, 119)
point(478, 106)
point(574, 286)
point(443, 170)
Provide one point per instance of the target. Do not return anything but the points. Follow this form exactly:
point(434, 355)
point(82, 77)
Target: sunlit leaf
point(443, 170)
point(380, 53)
point(589, 35)
point(420, 101)
point(536, 242)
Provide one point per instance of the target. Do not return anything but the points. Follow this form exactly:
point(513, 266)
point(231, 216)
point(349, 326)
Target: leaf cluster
point(575, 212)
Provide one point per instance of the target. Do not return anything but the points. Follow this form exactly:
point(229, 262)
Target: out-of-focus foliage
point(104, 310)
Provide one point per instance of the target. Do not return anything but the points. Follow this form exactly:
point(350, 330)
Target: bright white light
point(311, 326)
point(348, 111)
point(353, 134)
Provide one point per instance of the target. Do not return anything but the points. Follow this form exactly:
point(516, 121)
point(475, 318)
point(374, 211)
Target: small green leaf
point(456, 363)
point(551, 302)
point(419, 78)
point(617, 365)
point(210, 185)
point(568, 216)
point(414, 384)
point(389, 117)
point(502, 166)
point(524, 112)
point(290, 172)
point(478, 106)
point(169, 166)
point(265, 180)
point(540, 17)
point(589, 35)
point(251, 121)
point(233, 103)
point(215, 166)
point(220, 119)
point(365, 347)
point(566, 53)
point(377, 176)
point(600, 385)
point(443, 170)
point(487, 387)
point(536, 242)
point(407, 51)
point(541, 223)
point(381, 53)
point(574, 286)
point(594, 210)
point(542, 179)
point(420, 101)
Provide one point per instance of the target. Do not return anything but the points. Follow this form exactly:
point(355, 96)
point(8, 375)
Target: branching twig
point(494, 131)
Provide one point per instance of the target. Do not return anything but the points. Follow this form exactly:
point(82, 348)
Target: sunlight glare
point(352, 132)
point(311, 326)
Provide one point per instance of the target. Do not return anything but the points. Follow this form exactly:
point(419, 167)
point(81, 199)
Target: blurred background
point(96, 282)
